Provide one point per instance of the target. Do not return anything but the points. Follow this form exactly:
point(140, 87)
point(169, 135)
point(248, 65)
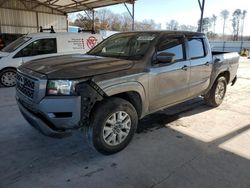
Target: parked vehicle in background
point(41, 45)
point(2, 43)
point(123, 79)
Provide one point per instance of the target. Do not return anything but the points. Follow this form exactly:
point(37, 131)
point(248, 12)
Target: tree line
point(105, 19)
point(209, 25)
point(237, 23)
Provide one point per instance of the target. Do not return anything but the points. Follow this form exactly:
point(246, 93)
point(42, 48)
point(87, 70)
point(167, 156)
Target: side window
point(172, 48)
point(39, 47)
point(196, 48)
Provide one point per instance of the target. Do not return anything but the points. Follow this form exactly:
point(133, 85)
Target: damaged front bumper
point(52, 117)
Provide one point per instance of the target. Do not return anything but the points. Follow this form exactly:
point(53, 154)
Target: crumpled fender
point(127, 87)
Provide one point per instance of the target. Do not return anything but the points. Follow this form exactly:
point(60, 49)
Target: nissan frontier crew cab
point(124, 78)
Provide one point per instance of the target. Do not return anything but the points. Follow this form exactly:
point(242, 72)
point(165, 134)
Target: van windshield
point(16, 44)
point(125, 46)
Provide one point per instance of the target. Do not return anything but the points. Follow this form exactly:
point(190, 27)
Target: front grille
point(25, 85)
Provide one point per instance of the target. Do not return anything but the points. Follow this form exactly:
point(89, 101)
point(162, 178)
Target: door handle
point(185, 67)
point(207, 63)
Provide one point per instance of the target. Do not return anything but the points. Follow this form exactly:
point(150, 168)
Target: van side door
point(200, 65)
point(37, 49)
point(169, 80)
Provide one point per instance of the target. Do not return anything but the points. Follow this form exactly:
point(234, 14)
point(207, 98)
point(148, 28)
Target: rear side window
point(172, 46)
point(196, 48)
point(39, 47)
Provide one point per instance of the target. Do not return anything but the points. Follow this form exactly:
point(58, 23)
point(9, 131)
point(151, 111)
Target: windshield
point(125, 46)
point(16, 44)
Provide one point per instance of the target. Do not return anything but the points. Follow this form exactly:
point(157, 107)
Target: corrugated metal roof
point(68, 6)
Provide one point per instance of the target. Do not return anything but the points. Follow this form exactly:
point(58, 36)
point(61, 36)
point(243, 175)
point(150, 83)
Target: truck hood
point(4, 54)
point(76, 66)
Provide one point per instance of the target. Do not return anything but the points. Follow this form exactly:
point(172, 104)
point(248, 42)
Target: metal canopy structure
point(69, 6)
point(35, 13)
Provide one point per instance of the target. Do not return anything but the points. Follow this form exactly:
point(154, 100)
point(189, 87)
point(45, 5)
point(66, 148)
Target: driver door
point(169, 81)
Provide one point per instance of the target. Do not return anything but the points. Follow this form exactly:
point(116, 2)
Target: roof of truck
point(191, 33)
point(47, 34)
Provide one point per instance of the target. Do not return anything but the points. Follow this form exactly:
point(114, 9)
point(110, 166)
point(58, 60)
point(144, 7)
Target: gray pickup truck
point(126, 77)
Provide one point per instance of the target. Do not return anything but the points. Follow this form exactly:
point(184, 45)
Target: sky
point(187, 12)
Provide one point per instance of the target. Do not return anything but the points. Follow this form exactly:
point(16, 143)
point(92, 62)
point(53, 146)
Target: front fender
point(127, 87)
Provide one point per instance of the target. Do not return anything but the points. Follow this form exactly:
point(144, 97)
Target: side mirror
point(165, 57)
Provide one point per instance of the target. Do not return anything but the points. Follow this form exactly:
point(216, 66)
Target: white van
point(41, 45)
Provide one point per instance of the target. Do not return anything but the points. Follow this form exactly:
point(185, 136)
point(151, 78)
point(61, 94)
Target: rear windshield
point(16, 44)
point(125, 46)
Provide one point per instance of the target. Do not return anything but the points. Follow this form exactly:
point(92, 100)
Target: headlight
point(61, 87)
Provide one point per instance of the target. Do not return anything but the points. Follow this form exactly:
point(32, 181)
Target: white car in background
point(41, 45)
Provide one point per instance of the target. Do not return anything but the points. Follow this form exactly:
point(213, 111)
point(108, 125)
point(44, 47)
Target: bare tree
point(172, 25)
point(187, 28)
point(213, 20)
point(224, 14)
point(244, 12)
point(105, 16)
point(116, 23)
point(107, 20)
point(145, 25)
point(237, 14)
point(206, 24)
point(83, 21)
point(126, 22)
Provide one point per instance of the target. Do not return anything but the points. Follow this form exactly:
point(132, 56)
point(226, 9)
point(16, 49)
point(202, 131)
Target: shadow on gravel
point(160, 119)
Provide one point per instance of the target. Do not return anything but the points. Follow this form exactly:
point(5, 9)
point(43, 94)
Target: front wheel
point(113, 125)
point(8, 77)
point(217, 93)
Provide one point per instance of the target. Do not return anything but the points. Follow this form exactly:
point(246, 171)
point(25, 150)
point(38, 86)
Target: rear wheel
point(113, 125)
point(217, 93)
point(8, 78)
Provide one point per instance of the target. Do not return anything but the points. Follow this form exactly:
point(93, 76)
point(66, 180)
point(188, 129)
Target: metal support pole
point(202, 5)
point(67, 22)
point(131, 14)
point(37, 22)
point(93, 21)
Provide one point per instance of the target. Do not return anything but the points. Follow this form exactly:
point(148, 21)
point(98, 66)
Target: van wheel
point(8, 77)
point(112, 126)
point(217, 93)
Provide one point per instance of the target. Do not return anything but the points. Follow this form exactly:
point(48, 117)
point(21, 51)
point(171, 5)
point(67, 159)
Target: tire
point(108, 132)
point(8, 77)
point(217, 93)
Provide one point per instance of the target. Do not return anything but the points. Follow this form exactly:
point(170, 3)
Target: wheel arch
point(5, 68)
point(225, 74)
point(133, 92)
point(214, 77)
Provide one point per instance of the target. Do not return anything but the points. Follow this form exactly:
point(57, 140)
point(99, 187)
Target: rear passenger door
point(200, 65)
point(169, 81)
